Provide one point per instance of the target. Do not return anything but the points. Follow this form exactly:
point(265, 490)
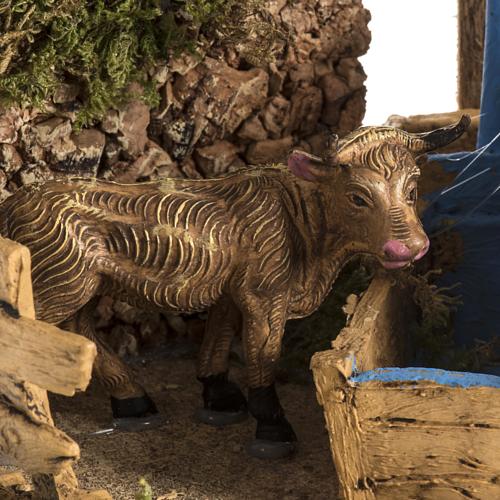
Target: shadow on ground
point(186, 460)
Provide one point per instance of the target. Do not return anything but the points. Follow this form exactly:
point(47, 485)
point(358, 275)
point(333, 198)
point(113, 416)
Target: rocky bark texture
point(218, 112)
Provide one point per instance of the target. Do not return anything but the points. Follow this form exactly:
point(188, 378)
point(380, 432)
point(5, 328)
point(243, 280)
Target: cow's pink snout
point(397, 253)
point(424, 250)
point(395, 250)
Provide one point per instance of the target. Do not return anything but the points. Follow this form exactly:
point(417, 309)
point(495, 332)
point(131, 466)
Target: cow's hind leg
point(132, 407)
point(223, 401)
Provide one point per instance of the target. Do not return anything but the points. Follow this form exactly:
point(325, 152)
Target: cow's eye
point(358, 200)
point(412, 196)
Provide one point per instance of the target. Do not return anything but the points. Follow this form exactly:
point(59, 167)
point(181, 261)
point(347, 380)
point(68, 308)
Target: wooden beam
point(376, 332)
point(32, 350)
point(36, 448)
point(470, 52)
point(343, 427)
point(30, 437)
point(16, 290)
point(15, 282)
point(431, 402)
point(437, 488)
point(414, 450)
point(54, 360)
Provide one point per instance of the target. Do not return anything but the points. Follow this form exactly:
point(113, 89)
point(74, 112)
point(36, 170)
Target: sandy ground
point(188, 460)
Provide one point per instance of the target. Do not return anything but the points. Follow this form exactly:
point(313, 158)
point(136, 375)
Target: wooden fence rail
point(36, 357)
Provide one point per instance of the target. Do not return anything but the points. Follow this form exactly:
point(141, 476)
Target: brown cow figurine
point(255, 248)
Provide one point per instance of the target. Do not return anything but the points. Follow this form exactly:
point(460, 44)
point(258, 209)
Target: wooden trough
point(36, 357)
point(404, 433)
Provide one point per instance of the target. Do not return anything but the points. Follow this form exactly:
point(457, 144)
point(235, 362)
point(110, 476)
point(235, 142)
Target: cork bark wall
point(218, 113)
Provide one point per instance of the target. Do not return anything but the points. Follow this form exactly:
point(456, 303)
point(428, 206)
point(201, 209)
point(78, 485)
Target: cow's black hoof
point(220, 418)
point(277, 429)
point(223, 401)
point(274, 438)
point(135, 414)
point(263, 448)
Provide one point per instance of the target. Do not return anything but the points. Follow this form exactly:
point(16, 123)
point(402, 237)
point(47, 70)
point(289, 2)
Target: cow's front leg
point(263, 327)
point(223, 401)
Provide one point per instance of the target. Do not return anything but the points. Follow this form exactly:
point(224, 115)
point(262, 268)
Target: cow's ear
point(306, 166)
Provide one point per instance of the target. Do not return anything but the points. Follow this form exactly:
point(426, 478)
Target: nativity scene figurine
point(254, 248)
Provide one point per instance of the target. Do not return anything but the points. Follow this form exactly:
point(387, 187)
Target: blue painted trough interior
point(474, 206)
point(443, 377)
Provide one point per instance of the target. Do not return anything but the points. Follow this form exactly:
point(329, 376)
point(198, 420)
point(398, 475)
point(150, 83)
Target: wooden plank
point(375, 335)
point(429, 402)
point(345, 439)
point(437, 488)
point(16, 290)
point(54, 360)
point(413, 449)
point(34, 351)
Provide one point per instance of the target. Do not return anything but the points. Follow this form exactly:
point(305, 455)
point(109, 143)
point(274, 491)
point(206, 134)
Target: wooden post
point(470, 52)
point(34, 351)
point(28, 347)
point(374, 336)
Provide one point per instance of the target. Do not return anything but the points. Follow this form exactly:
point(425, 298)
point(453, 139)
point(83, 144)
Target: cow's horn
point(332, 148)
point(416, 143)
point(429, 141)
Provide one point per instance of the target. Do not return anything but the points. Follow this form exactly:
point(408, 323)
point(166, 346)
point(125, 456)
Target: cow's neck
point(322, 249)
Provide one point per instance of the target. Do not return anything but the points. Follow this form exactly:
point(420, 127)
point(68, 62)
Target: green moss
point(103, 46)
point(245, 24)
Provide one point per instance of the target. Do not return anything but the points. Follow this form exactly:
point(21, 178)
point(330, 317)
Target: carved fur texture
point(256, 248)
